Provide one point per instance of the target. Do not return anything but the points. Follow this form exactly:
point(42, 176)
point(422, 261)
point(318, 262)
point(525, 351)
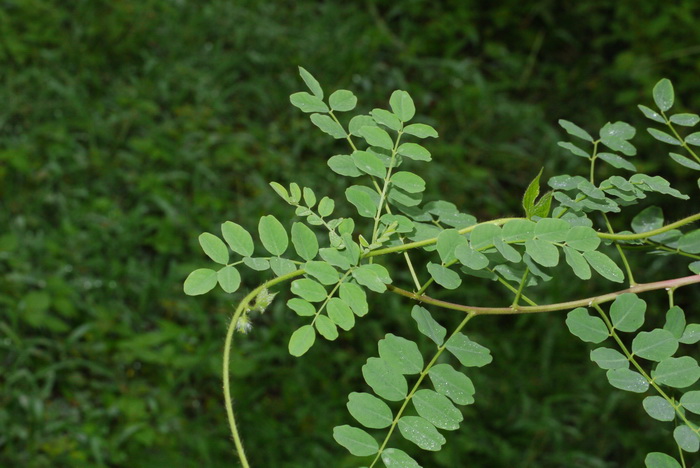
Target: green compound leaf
point(427, 325)
point(237, 238)
point(471, 258)
point(326, 207)
point(691, 401)
point(301, 307)
point(311, 83)
point(648, 219)
point(369, 410)
point(200, 281)
point(663, 137)
point(375, 136)
point(340, 313)
point(395, 458)
point(273, 235)
point(675, 321)
point(543, 252)
point(686, 439)
point(585, 327)
point(660, 460)
point(627, 380)
point(343, 164)
point(651, 114)
point(304, 240)
point(685, 162)
point(574, 130)
point(257, 264)
point(365, 202)
point(617, 161)
point(605, 267)
point(421, 131)
point(322, 271)
point(385, 379)
point(329, 126)
point(214, 248)
point(658, 408)
point(655, 345)
point(372, 276)
point(448, 279)
point(691, 335)
point(690, 242)
point(326, 327)
point(414, 151)
point(577, 263)
point(582, 238)
point(552, 229)
point(408, 181)
point(335, 258)
point(369, 163)
point(518, 230)
point(608, 358)
point(453, 384)
point(615, 136)
point(229, 279)
point(386, 118)
point(359, 121)
point(437, 409)
point(355, 297)
point(575, 150)
point(483, 236)
point(402, 105)
point(508, 252)
point(308, 103)
point(663, 94)
point(419, 431)
point(357, 441)
point(302, 340)
point(627, 312)
point(469, 353)
point(679, 372)
point(282, 266)
point(685, 120)
point(342, 100)
point(401, 353)
point(309, 290)
point(447, 242)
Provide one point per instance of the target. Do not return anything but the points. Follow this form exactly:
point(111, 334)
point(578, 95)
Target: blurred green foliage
point(128, 127)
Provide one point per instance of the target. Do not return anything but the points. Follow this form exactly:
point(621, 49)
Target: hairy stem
point(227, 352)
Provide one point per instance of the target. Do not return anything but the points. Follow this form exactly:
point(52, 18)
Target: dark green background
point(128, 127)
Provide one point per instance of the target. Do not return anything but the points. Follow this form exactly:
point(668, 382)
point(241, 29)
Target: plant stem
point(519, 293)
point(227, 351)
point(587, 302)
point(630, 358)
point(622, 254)
point(678, 137)
point(417, 385)
point(382, 196)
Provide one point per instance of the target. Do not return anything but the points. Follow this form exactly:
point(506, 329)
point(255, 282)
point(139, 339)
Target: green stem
point(653, 232)
point(640, 369)
point(330, 295)
point(519, 293)
point(510, 287)
point(382, 196)
point(669, 249)
point(587, 302)
point(348, 137)
point(619, 250)
point(227, 351)
point(593, 158)
point(678, 137)
point(422, 376)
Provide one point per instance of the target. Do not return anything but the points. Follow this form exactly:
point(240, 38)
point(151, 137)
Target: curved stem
point(653, 232)
point(622, 254)
point(227, 351)
point(417, 386)
point(587, 302)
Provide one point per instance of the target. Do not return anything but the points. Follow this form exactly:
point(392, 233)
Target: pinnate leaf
point(229, 279)
point(357, 441)
point(237, 238)
point(627, 312)
point(369, 410)
point(273, 235)
point(437, 409)
point(214, 248)
point(453, 384)
point(200, 281)
point(386, 381)
point(427, 325)
point(469, 353)
point(421, 432)
point(401, 353)
point(302, 340)
point(586, 327)
point(627, 380)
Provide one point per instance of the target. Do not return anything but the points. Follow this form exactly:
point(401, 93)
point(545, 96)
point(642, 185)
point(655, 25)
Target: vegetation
point(129, 127)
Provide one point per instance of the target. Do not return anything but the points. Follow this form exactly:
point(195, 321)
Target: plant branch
point(587, 302)
point(227, 351)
